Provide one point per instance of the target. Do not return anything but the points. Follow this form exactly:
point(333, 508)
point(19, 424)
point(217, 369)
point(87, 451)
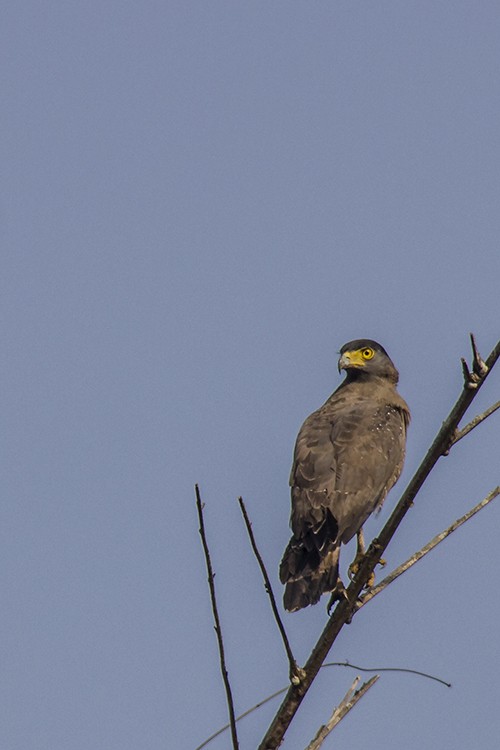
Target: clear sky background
point(200, 203)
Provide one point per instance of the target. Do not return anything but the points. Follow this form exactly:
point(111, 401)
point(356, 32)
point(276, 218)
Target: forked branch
point(347, 704)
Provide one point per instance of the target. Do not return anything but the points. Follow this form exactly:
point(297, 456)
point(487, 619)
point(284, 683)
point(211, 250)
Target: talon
point(354, 566)
point(382, 562)
point(337, 594)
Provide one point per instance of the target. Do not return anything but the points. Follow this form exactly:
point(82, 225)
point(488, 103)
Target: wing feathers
point(348, 455)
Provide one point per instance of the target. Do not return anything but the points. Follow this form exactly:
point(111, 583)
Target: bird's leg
point(361, 543)
point(360, 552)
point(338, 593)
point(354, 566)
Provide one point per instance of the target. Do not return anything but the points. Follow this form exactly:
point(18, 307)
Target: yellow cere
point(359, 357)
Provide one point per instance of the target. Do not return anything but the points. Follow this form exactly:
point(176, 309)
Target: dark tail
point(307, 574)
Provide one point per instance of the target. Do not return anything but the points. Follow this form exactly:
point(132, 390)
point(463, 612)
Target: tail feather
point(305, 584)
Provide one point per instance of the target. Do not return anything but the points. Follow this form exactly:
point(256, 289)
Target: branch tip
point(472, 378)
point(217, 627)
point(296, 673)
point(478, 364)
point(347, 704)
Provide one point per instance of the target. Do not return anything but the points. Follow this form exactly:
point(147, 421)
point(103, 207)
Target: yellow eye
point(367, 353)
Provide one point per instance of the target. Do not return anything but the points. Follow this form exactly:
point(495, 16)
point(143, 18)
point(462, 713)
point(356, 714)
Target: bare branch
point(347, 605)
point(325, 729)
point(218, 631)
point(374, 590)
point(296, 673)
point(474, 423)
point(385, 669)
point(347, 703)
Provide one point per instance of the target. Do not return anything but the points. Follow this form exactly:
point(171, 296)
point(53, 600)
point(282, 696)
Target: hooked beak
point(344, 362)
point(350, 360)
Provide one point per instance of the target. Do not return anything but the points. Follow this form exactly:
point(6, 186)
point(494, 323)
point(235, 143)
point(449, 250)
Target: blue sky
point(200, 203)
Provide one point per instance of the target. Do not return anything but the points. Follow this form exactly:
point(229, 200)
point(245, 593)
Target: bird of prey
point(348, 455)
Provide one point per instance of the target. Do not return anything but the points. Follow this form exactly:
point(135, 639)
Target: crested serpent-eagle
point(348, 455)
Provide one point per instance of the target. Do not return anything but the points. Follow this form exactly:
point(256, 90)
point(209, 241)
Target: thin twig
point(295, 671)
point(241, 716)
point(347, 704)
point(374, 590)
point(218, 631)
point(386, 669)
point(346, 607)
point(474, 423)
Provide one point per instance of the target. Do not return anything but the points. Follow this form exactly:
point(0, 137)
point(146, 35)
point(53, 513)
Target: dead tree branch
point(386, 669)
point(345, 609)
point(374, 590)
point(296, 674)
point(218, 630)
point(347, 704)
point(474, 423)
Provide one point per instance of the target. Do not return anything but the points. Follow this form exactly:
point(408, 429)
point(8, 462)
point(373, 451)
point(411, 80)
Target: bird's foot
point(355, 565)
point(339, 595)
point(354, 568)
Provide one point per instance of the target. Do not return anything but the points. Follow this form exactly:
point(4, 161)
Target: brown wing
point(348, 455)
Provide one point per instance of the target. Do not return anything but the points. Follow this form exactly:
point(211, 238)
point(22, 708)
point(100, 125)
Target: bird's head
point(364, 356)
